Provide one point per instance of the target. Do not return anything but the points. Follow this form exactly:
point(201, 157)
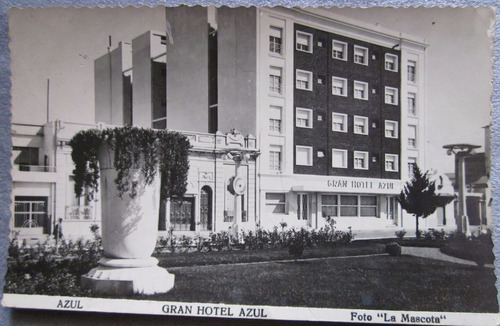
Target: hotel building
point(327, 113)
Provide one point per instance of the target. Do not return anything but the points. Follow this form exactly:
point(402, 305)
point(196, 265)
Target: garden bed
point(234, 256)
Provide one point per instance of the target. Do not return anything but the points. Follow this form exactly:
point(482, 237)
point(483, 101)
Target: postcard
point(253, 163)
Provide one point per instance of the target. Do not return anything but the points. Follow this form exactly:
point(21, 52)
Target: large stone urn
point(129, 231)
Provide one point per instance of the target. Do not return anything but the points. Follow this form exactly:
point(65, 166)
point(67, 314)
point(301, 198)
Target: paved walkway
point(434, 253)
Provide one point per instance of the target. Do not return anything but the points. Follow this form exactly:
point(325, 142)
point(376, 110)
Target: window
point(275, 203)
point(322, 80)
point(391, 162)
point(360, 125)
point(339, 122)
point(303, 42)
point(368, 205)
point(339, 86)
point(360, 90)
point(361, 160)
point(303, 118)
point(329, 205)
point(391, 95)
point(412, 104)
point(275, 39)
point(391, 62)
point(275, 80)
point(412, 161)
point(412, 71)
point(30, 212)
point(302, 207)
point(360, 55)
point(275, 158)
point(349, 205)
point(339, 50)
point(412, 136)
point(391, 129)
point(303, 80)
point(339, 158)
point(275, 120)
point(303, 155)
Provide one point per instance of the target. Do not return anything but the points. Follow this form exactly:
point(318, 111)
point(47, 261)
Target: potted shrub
point(127, 162)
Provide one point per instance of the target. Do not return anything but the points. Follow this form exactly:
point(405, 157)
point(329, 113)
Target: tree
point(419, 197)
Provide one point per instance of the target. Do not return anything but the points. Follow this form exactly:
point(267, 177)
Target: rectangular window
point(30, 212)
point(303, 41)
point(412, 136)
point(412, 161)
point(360, 125)
point(329, 205)
point(303, 80)
point(412, 104)
point(391, 95)
point(412, 71)
point(348, 205)
point(302, 207)
point(275, 203)
point(303, 155)
point(275, 120)
point(368, 206)
point(360, 55)
point(275, 80)
point(339, 50)
point(339, 158)
point(339, 122)
point(391, 62)
point(391, 163)
point(391, 129)
point(360, 90)
point(275, 158)
point(339, 86)
point(361, 160)
point(275, 39)
point(303, 118)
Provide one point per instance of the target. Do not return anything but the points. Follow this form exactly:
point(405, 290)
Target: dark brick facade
point(323, 103)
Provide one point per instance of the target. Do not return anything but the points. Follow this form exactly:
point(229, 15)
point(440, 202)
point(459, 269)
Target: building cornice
point(335, 23)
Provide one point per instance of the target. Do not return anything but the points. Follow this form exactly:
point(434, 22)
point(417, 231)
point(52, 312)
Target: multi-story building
point(341, 111)
point(336, 107)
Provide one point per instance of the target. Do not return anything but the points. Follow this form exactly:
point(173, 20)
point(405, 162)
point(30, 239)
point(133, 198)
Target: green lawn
point(377, 282)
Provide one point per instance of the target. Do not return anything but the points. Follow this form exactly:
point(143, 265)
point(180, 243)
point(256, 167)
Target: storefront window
point(368, 205)
point(329, 205)
point(348, 205)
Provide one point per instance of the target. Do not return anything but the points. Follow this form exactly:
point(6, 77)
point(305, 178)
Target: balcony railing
point(79, 213)
point(35, 168)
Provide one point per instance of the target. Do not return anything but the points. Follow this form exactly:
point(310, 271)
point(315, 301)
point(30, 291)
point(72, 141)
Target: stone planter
point(129, 231)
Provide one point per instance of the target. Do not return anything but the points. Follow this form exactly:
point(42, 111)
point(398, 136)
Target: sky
point(61, 44)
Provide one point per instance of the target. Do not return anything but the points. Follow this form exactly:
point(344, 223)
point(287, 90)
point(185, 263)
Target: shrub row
point(255, 240)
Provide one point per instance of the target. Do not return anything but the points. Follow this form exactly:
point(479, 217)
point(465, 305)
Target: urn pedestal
point(129, 231)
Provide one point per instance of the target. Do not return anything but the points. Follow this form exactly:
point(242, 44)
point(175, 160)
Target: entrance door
point(392, 209)
point(206, 209)
point(182, 214)
point(31, 213)
point(302, 207)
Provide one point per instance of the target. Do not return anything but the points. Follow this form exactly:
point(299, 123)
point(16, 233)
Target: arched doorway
point(206, 209)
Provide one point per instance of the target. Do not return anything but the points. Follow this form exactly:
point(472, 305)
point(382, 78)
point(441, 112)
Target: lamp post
point(461, 151)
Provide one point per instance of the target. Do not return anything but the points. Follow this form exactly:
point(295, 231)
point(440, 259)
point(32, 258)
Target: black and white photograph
point(263, 163)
